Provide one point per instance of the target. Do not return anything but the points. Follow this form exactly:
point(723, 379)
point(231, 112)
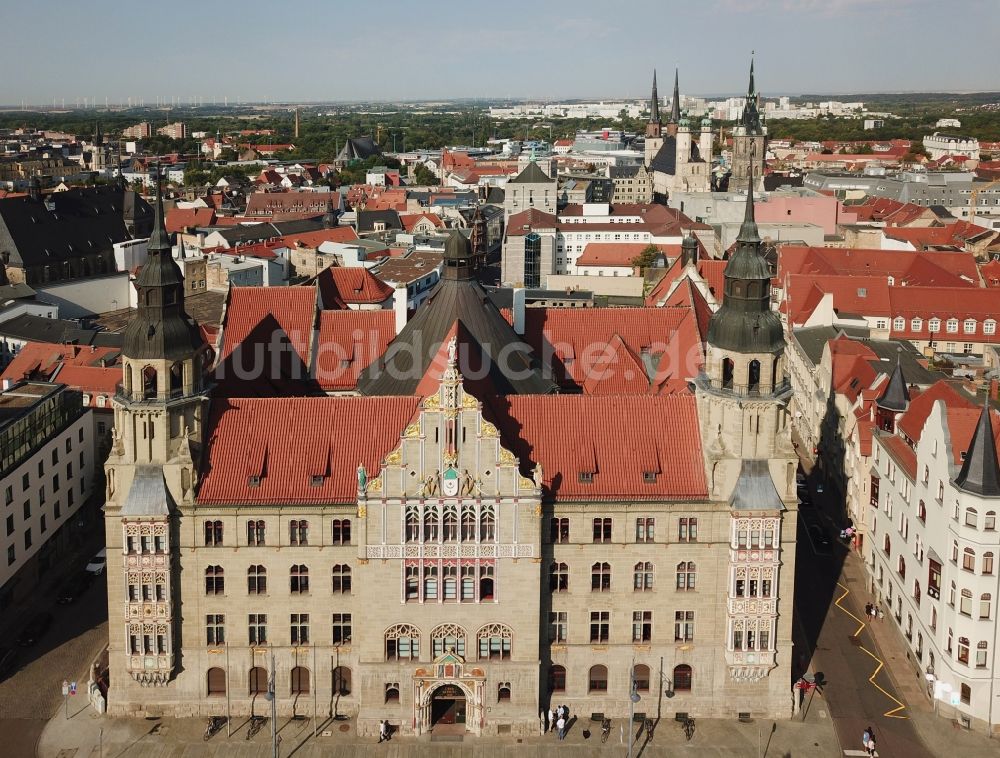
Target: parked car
point(8, 657)
point(98, 563)
point(35, 629)
point(74, 588)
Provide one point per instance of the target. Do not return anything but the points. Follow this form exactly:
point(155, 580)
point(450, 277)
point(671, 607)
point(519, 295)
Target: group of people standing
point(557, 720)
point(873, 612)
point(868, 740)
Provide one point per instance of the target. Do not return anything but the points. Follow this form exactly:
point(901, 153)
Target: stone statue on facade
point(538, 476)
point(432, 484)
point(362, 478)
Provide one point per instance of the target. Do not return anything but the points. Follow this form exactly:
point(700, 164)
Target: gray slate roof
point(367, 220)
point(755, 490)
point(40, 329)
point(148, 495)
point(532, 174)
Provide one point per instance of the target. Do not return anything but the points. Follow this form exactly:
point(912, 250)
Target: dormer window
point(586, 477)
point(316, 480)
point(649, 477)
point(253, 481)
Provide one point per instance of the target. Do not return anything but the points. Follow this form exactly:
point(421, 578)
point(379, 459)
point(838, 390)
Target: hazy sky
point(412, 49)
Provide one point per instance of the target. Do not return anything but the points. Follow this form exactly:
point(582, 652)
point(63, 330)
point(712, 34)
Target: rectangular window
point(341, 628)
point(9, 495)
point(642, 626)
point(645, 530)
point(683, 626)
point(215, 629)
point(11, 555)
point(687, 529)
point(10, 525)
point(560, 530)
point(257, 623)
point(557, 626)
point(27, 539)
point(602, 530)
point(600, 625)
point(341, 534)
point(300, 628)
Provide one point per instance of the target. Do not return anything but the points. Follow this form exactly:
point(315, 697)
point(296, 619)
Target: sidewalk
point(943, 736)
point(82, 735)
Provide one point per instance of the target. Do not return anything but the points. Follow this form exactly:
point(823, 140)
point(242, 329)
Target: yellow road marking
point(894, 712)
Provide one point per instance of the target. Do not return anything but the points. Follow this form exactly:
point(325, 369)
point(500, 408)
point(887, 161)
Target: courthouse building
point(457, 521)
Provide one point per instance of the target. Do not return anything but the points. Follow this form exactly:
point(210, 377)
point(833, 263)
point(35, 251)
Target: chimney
point(399, 307)
point(518, 310)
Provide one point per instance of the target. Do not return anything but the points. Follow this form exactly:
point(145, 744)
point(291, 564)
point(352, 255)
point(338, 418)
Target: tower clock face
point(449, 483)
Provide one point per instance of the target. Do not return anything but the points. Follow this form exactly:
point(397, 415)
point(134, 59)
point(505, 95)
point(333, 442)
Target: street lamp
point(269, 696)
point(633, 699)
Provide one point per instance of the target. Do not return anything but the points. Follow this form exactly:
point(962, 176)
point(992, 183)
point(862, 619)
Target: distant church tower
point(750, 464)
point(749, 142)
point(675, 107)
point(151, 470)
point(654, 129)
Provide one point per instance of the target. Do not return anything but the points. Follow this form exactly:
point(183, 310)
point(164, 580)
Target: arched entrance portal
point(448, 706)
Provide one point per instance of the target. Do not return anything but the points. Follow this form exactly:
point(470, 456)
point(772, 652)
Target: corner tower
point(742, 397)
point(749, 142)
point(151, 470)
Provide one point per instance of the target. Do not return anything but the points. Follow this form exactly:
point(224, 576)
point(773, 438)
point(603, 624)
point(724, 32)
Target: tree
point(424, 176)
point(645, 259)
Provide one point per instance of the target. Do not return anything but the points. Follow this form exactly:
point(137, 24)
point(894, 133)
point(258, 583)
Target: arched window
point(468, 523)
point(965, 602)
point(990, 521)
point(503, 692)
point(341, 574)
point(258, 680)
point(775, 368)
point(298, 579)
point(495, 642)
point(487, 525)
point(468, 584)
point(901, 567)
point(686, 575)
point(559, 577)
point(431, 524)
point(985, 603)
point(485, 582)
point(298, 532)
point(342, 681)
point(213, 533)
point(216, 679)
point(149, 383)
point(969, 559)
point(971, 517)
point(887, 545)
point(753, 376)
point(402, 643)
point(256, 580)
point(557, 678)
point(392, 692)
point(300, 680)
point(642, 576)
point(963, 650)
point(450, 531)
point(412, 587)
point(727, 373)
point(340, 531)
point(430, 582)
point(683, 677)
point(448, 638)
point(215, 581)
point(600, 577)
point(176, 379)
point(255, 533)
point(981, 653)
point(640, 675)
point(597, 679)
point(449, 582)
point(412, 525)
point(128, 380)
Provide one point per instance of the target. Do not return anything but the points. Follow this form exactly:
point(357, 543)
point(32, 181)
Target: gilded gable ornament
point(506, 456)
point(413, 430)
point(393, 458)
point(375, 485)
point(468, 401)
point(432, 402)
point(486, 429)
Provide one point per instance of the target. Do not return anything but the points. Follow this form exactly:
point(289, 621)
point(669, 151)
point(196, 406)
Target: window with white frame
point(899, 323)
point(969, 327)
point(952, 326)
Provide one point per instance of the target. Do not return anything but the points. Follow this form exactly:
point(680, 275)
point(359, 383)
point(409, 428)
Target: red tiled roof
point(711, 270)
point(341, 287)
point(899, 264)
point(318, 237)
point(977, 303)
point(410, 220)
point(912, 422)
point(619, 253)
point(962, 425)
point(616, 371)
point(991, 273)
point(179, 219)
point(687, 295)
point(616, 438)
point(857, 295)
point(278, 206)
point(40, 360)
point(921, 237)
point(91, 379)
point(253, 310)
point(903, 453)
point(532, 218)
point(288, 441)
point(349, 340)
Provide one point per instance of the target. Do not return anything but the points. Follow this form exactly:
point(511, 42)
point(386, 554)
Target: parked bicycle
point(215, 723)
point(648, 725)
point(689, 728)
point(256, 724)
point(605, 729)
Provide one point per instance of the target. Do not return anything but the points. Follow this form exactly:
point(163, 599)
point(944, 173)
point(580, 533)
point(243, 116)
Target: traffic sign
point(65, 688)
point(72, 688)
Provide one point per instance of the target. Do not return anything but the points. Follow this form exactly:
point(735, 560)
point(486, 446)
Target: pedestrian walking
point(383, 730)
point(866, 737)
point(881, 614)
point(561, 726)
point(873, 613)
point(871, 748)
point(551, 722)
point(868, 610)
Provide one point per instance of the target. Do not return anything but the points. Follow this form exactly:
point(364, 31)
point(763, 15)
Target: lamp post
point(270, 698)
point(633, 699)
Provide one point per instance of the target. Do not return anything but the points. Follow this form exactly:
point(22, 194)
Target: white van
point(97, 563)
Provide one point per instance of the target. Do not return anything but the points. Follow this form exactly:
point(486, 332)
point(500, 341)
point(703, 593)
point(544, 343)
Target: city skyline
point(337, 54)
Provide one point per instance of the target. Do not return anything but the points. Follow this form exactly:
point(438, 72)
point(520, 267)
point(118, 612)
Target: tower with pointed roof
point(893, 401)
point(678, 160)
point(654, 128)
point(980, 472)
point(742, 395)
point(749, 142)
point(675, 106)
point(151, 471)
